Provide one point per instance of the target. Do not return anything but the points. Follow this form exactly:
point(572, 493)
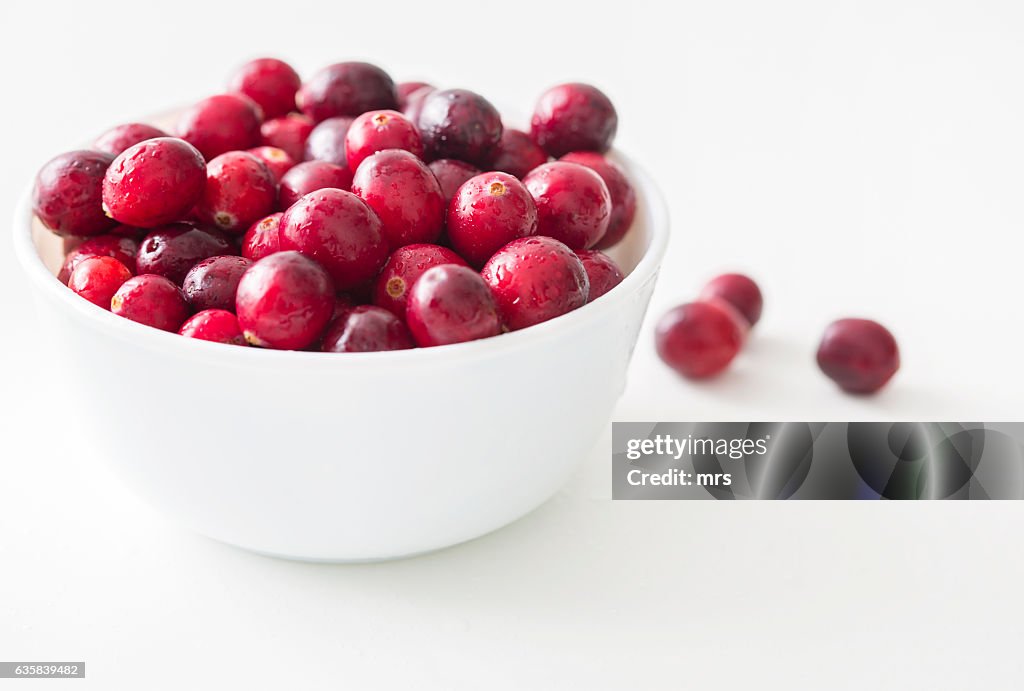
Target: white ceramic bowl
point(351, 457)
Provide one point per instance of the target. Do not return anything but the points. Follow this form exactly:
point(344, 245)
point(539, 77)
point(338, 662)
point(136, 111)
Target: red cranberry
point(451, 174)
point(347, 88)
point(488, 212)
point(98, 278)
point(240, 190)
point(277, 161)
point(699, 339)
point(284, 301)
point(517, 154)
point(404, 266)
point(154, 182)
point(451, 304)
point(218, 124)
point(378, 130)
point(212, 283)
point(288, 133)
point(262, 238)
point(456, 123)
point(116, 140)
point(406, 89)
point(311, 176)
point(68, 194)
point(172, 250)
point(327, 141)
point(621, 191)
point(603, 273)
point(573, 203)
point(123, 249)
point(366, 329)
point(414, 102)
point(573, 117)
point(151, 300)
point(404, 194)
point(340, 231)
point(271, 83)
point(859, 355)
point(219, 326)
point(535, 279)
point(739, 291)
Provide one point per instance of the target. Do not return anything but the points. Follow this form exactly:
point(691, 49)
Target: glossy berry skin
point(121, 248)
point(517, 154)
point(414, 102)
point(240, 190)
point(451, 174)
point(270, 83)
point(151, 300)
point(277, 161)
point(573, 203)
point(535, 279)
point(311, 176)
point(366, 329)
point(347, 88)
point(284, 302)
point(488, 212)
point(860, 355)
point(262, 238)
point(327, 141)
point(222, 123)
point(218, 326)
point(404, 194)
point(172, 250)
point(451, 304)
point(116, 140)
point(289, 133)
point(68, 194)
point(404, 266)
point(456, 123)
point(155, 182)
point(739, 291)
point(98, 278)
point(338, 230)
point(573, 117)
point(213, 282)
point(619, 188)
point(603, 273)
point(378, 130)
point(699, 339)
point(406, 89)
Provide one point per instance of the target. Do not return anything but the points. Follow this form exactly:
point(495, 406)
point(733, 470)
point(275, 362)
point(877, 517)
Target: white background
point(858, 158)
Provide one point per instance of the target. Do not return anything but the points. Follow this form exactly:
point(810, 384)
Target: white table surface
point(858, 158)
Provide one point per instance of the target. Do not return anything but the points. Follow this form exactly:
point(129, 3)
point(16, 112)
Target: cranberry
point(327, 141)
point(215, 125)
point(451, 304)
point(739, 291)
point(123, 249)
point(240, 190)
point(154, 182)
point(405, 195)
point(517, 154)
point(212, 283)
point(406, 89)
point(151, 300)
point(451, 174)
point(340, 231)
point(347, 88)
point(311, 176)
point(219, 326)
point(603, 273)
point(573, 203)
point(859, 355)
point(116, 140)
point(262, 238)
point(378, 130)
point(699, 339)
point(289, 133)
point(403, 267)
point(270, 83)
point(172, 250)
point(68, 194)
point(488, 212)
point(622, 194)
point(414, 102)
point(98, 278)
point(573, 117)
point(284, 301)
point(535, 279)
point(277, 161)
point(456, 123)
point(366, 329)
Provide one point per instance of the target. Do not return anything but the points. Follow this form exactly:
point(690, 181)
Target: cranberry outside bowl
point(346, 457)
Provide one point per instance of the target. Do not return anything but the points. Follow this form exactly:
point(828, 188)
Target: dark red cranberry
point(404, 266)
point(123, 249)
point(603, 273)
point(277, 161)
point(451, 174)
point(405, 89)
point(451, 304)
point(262, 238)
point(456, 123)
point(573, 203)
point(739, 291)
point(337, 229)
point(573, 117)
point(619, 188)
point(284, 301)
point(222, 123)
point(213, 282)
point(151, 300)
point(172, 250)
point(219, 326)
point(125, 231)
point(366, 329)
point(327, 141)
point(311, 176)
point(240, 190)
point(414, 103)
point(98, 278)
point(68, 194)
point(488, 212)
point(347, 88)
point(517, 154)
point(535, 279)
point(699, 339)
point(404, 194)
point(859, 355)
point(378, 130)
point(270, 83)
point(288, 133)
point(154, 182)
point(116, 140)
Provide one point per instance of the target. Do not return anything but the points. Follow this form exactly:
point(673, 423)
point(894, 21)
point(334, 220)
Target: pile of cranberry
point(344, 213)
